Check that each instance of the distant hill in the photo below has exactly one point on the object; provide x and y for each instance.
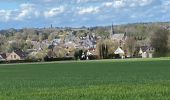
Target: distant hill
(132, 29)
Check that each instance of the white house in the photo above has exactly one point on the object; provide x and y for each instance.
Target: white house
(16, 55)
(146, 52)
(119, 53)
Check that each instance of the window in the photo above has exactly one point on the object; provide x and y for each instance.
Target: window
(14, 56)
(11, 56)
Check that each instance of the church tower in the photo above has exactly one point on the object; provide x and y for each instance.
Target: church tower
(112, 31)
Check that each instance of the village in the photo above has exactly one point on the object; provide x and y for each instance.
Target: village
(85, 47)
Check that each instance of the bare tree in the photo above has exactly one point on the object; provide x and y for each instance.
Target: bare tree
(130, 45)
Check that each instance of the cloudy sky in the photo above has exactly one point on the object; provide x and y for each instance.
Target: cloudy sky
(75, 13)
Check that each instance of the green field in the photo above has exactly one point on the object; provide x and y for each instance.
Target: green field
(93, 80)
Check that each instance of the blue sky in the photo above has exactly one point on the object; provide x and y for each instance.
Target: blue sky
(76, 13)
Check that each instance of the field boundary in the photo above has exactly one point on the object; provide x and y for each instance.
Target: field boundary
(90, 61)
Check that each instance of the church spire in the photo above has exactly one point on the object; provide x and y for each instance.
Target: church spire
(112, 31)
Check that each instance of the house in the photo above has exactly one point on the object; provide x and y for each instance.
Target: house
(88, 42)
(2, 57)
(39, 46)
(12, 41)
(51, 53)
(145, 52)
(17, 55)
(91, 54)
(56, 41)
(69, 37)
(70, 44)
(119, 53)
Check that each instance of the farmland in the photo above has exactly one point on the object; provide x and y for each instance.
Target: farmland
(94, 80)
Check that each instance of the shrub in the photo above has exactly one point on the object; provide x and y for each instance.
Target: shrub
(58, 59)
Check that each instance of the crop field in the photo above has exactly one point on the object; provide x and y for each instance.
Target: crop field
(91, 80)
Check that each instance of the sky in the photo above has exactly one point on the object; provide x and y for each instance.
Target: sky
(77, 13)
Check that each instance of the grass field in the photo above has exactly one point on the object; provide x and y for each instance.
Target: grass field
(94, 80)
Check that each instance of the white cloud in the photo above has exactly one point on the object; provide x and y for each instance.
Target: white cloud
(137, 3)
(165, 7)
(115, 4)
(108, 4)
(118, 4)
(82, 1)
(88, 1)
(48, 0)
(127, 3)
(88, 10)
(27, 11)
(5, 15)
(166, 3)
(54, 11)
(144, 2)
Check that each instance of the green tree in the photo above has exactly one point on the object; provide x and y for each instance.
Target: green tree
(160, 41)
(105, 48)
